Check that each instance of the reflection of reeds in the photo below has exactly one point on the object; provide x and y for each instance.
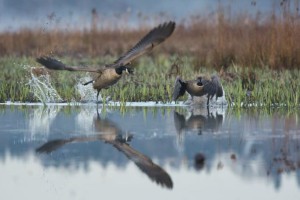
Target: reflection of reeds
(216, 40)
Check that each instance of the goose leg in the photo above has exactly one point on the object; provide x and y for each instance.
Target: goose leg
(98, 114)
(207, 110)
(207, 103)
(98, 92)
(88, 82)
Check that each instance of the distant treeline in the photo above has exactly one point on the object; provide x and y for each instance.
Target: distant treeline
(214, 41)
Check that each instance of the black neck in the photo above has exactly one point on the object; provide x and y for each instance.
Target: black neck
(119, 70)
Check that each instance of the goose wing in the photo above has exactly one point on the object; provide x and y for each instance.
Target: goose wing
(219, 89)
(53, 145)
(145, 164)
(211, 86)
(54, 64)
(179, 89)
(156, 36)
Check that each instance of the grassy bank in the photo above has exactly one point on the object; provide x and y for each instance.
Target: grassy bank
(153, 80)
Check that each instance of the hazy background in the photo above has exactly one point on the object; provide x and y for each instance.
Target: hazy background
(76, 14)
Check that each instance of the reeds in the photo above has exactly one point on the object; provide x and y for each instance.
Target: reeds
(261, 51)
(154, 80)
(215, 40)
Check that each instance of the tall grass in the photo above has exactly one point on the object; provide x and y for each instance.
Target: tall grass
(154, 80)
(257, 52)
(219, 39)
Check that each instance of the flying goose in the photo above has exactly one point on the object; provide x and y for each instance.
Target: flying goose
(109, 74)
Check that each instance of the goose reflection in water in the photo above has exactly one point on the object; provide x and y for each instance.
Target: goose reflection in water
(199, 120)
(110, 133)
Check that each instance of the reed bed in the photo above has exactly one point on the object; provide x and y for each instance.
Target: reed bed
(219, 39)
(256, 56)
(268, 88)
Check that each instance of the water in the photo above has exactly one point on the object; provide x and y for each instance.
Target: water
(42, 88)
(71, 152)
(87, 92)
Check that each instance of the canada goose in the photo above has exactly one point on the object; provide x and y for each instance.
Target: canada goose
(109, 74)
(109, 133)
(198, 87)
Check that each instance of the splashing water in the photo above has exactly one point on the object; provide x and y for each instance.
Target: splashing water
(40, 86)
(86, 92)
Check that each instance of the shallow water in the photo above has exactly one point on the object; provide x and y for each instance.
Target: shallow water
(71, 152)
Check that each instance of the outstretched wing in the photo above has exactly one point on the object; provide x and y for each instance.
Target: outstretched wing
(213, 86)
(154, 172)
(54, 64)
(53, 145)
(216, 80)
(179, 89)
(146, 44)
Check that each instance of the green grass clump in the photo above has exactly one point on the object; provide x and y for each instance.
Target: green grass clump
(13, 79)
(153, 80)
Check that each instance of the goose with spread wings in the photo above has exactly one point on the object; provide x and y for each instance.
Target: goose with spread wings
(108, 75)
(200, 86)
(109, 133)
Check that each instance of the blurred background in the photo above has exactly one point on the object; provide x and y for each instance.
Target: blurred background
(76, 14)
(217, 33)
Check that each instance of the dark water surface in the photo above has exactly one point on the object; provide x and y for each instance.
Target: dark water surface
(69, 152)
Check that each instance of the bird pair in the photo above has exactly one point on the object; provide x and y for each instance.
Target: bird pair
(110, 74)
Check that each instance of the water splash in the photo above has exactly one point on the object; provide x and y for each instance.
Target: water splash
(87, 92)
(40, 86)
(202, 101)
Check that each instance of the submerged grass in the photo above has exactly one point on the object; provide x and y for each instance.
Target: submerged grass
(154, 79)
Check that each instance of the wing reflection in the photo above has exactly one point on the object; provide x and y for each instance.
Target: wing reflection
(110, 133)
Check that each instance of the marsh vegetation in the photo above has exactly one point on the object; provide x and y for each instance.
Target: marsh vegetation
(257, 53)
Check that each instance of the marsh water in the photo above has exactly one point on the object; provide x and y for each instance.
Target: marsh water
(81, 152)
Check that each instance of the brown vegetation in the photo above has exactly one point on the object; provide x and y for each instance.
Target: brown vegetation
(215, 41)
